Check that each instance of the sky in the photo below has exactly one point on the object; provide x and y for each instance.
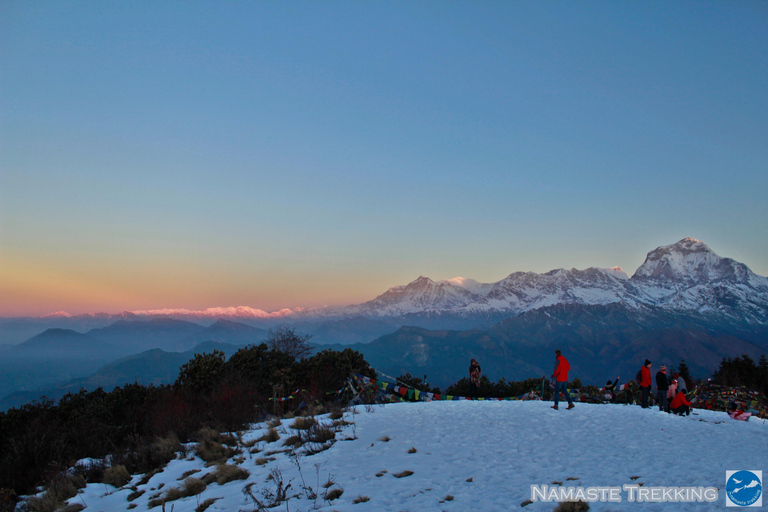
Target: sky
(299, 154)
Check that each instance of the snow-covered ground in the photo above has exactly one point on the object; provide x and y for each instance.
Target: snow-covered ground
(476, 455)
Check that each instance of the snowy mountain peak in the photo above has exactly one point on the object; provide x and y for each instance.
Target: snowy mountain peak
(688, 262)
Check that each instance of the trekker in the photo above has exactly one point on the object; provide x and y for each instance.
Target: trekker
(662, 387)
(474, 378)
(672, 391)
(560, 376)
(645, 383)
(609, 392)
(736, 413)
(680, 404)
(680, 383)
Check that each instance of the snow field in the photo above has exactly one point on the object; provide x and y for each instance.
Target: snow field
(478, 455)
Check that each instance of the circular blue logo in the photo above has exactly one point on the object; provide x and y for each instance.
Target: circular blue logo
(743, 488)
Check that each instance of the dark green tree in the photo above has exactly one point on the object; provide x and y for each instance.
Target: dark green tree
(202, 373)
(685, 373)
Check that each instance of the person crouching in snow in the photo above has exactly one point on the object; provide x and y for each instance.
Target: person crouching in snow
(680, 404)
(561, 379)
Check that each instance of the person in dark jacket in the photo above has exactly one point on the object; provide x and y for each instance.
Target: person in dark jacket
(560, 376)
(474, 378)
(609, 392)
(662, 387)
(645, 383)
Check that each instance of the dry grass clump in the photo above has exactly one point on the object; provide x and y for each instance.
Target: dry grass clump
(116, 476)
(193, 486)
(336, 414)
(402, 474)
(322, 435)
(204, 505)
(75, 507)
(385, 439)
(293, 441)
(334, 494)
(225, 473)
(173, 494)
(361, 499)
(304, 423)
(135, 495)
(59, 490)
(211, 445)
(274, 423)
(188, 473)
(412, 449)
(147, 477)
(271, 436)
(150, 456)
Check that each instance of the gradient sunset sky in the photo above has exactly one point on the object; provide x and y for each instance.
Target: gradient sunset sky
(285, 154)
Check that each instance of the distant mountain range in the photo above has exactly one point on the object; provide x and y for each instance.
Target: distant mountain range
(686, 276)
(684, 301)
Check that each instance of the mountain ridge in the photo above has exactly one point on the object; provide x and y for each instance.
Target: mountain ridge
(686, 275)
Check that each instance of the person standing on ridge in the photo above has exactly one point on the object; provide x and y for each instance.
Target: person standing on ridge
(645, 383)
(474, 378)
(662, 387)
(560, 376)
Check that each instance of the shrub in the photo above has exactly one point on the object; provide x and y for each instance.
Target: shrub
(293, 441)
(59, 490)
(227, 473)
(193, 486)
(204, 505)
(271, 436)
(173, 494)
(322, 435)
(304, 423)
(135, 494)
(334, 494)
(116, 476)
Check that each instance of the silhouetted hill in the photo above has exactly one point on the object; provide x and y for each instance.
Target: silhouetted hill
(154, 366)
(225, 331)
(134, 336)
(600, 341)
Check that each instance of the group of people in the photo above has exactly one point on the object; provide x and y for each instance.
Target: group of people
(671, 391)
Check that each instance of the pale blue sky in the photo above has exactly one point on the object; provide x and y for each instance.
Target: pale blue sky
(283, 154)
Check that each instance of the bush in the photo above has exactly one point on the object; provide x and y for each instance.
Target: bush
(225, 473)
(304, 423)
(193, 486)
(116, 476)
(210, 446)
(271, 436)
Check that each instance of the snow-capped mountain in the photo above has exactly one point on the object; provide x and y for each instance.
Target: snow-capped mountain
(686, 276)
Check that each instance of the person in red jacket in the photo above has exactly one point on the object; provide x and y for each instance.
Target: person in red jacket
(560, 376)
(680, 404)
(645, 383)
